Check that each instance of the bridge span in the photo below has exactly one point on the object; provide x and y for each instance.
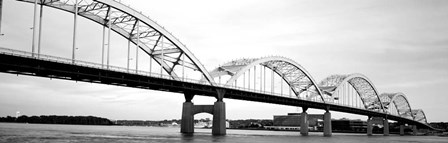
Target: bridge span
(255, 79)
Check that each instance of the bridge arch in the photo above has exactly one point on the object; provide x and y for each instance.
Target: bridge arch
(150, 37)
(419, 115)
(297, 78)
(401, 103)
(363, 86)
(124, 20)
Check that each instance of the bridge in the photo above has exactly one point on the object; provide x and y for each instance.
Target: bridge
(169, 66)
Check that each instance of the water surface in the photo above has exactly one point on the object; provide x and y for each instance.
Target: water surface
(12, 132)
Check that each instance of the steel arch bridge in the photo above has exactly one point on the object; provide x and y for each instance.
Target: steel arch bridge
(397, 104)
(363, 86)
(419, 115)
(174, 59)
(147, 35)
(297, 78)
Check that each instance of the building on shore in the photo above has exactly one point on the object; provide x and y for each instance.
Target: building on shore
(349, 125)
(291, 121)
(208, 124)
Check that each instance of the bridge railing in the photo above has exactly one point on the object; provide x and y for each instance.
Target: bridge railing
(78, 62)
(25, 54)
(150, 74)
(126, 70)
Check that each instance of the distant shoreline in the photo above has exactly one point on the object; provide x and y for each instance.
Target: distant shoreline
(57, 119)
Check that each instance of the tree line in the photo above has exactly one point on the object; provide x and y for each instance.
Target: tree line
(53, 119)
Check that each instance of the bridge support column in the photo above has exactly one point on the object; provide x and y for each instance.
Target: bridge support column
(369, 126)
(219, 114)
(327, 124)
(386, 127)
(219, 118)
(187, 122)
(304, 122)
(414, 130)
(401, 129)
(218, 110)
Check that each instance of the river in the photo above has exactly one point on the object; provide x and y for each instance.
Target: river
(12, 132)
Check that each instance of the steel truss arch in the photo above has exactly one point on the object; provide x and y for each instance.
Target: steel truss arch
(401, 104)
(363, 86)
(419, 116)
(297, 78)
(124, 21)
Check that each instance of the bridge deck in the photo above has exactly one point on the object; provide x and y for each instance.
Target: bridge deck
(53, 69)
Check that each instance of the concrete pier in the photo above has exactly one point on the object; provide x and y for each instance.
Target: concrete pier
(386, 127)
(401, 130)
(219, 118)
(327, 124)
(187, 123)
(414, 130)
(304, 122)
(369, 126)
(218, 110)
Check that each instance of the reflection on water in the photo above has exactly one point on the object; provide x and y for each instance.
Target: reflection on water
(10, 132)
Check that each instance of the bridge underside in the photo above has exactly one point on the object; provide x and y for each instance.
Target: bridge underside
(37, 67)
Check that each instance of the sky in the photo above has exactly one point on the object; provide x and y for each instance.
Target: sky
(401, 46)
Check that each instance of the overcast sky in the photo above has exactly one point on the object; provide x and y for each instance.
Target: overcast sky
(401, 45)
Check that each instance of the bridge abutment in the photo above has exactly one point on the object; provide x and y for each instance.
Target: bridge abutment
(327, 124)
(304, 122)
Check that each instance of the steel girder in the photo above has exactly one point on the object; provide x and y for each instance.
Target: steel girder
(125, 21)
(400, 103)
(298, 79)
(419, 115)
(363, 86)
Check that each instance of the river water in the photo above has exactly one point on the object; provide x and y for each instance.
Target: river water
(11, 132)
